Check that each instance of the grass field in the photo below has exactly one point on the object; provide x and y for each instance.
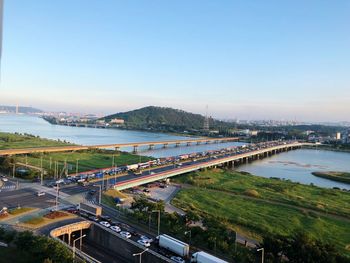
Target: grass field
(312, 197)
(87, 160)
(12, 141)
(223, 195)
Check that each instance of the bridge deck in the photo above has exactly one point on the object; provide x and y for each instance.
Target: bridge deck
(106, 146)
(194, 167)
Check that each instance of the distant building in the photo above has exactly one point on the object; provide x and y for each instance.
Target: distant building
(117, 121)
(338, 136)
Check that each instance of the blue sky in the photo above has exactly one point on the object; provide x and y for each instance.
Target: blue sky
(244, 59)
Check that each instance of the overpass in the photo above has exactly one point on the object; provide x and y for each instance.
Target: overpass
(229, 161)
(117, 146)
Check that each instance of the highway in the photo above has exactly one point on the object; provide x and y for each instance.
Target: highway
(115, 145)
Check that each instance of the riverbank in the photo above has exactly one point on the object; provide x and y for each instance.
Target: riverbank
(343, 177)
(124, 128)
(256, 206)
(17, 140)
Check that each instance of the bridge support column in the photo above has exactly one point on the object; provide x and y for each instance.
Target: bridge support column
(117, 149)
(165, 145)
(198, 143)
(151, 146)
(188, 143)
(135, 149)
(177, 144)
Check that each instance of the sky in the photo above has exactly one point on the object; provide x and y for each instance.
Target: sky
(244, 59)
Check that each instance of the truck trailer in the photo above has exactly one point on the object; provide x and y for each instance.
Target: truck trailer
(178, 247)
(91, 209)
(202, 257)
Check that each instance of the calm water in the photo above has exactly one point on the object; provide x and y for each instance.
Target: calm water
(295, 165)
(298, 165)
(89, 136)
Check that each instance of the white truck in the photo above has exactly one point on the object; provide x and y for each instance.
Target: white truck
(202, 257)
(132, 167)
(178, 247)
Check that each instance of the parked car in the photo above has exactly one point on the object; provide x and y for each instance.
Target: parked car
(125, 234)
(115, 229)
(177, 259)
(105, 223)
(144, 243)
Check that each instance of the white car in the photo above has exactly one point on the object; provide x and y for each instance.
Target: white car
(105, 223)
(40, 193)
(144, 243)
(146, 238)
(177, 259)
(5, 179)
(115, 228)
(125, 234)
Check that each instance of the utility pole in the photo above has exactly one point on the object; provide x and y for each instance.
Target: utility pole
(77, 167)
(41, 170)
(14, 170)
(57, 193)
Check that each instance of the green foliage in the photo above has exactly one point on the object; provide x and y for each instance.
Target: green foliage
(167, 119)
(35, 248)
(300, 248)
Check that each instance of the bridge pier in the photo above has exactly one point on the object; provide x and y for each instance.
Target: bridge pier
(188, 143)
(165, 145)
(135, 149)
(177, 144)
(150, 147)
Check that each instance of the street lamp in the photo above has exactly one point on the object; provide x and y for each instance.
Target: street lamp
(99, 193)
(78, 238)
(262, 254)
(140, 254)
(189, 232)
(157, 211)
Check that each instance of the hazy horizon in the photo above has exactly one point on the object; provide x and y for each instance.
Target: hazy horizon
(248, 60)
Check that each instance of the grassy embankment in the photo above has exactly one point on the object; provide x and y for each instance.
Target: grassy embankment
(12, 141)
(343, 177)
(257, 206)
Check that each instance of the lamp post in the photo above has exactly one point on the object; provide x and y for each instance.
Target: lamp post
(99, 193)
(157, 211)
(262, 254)
(189, 232)
(140, 254)
(78, 238)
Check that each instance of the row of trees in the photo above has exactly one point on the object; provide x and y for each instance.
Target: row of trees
(36, 248)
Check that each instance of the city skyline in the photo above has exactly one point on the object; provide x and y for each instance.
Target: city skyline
(254, 60)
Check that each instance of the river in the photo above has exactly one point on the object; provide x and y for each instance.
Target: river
(90, 136)
(294, 165)
(298, 165)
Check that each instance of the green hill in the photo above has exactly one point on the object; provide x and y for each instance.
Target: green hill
(159, 118)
